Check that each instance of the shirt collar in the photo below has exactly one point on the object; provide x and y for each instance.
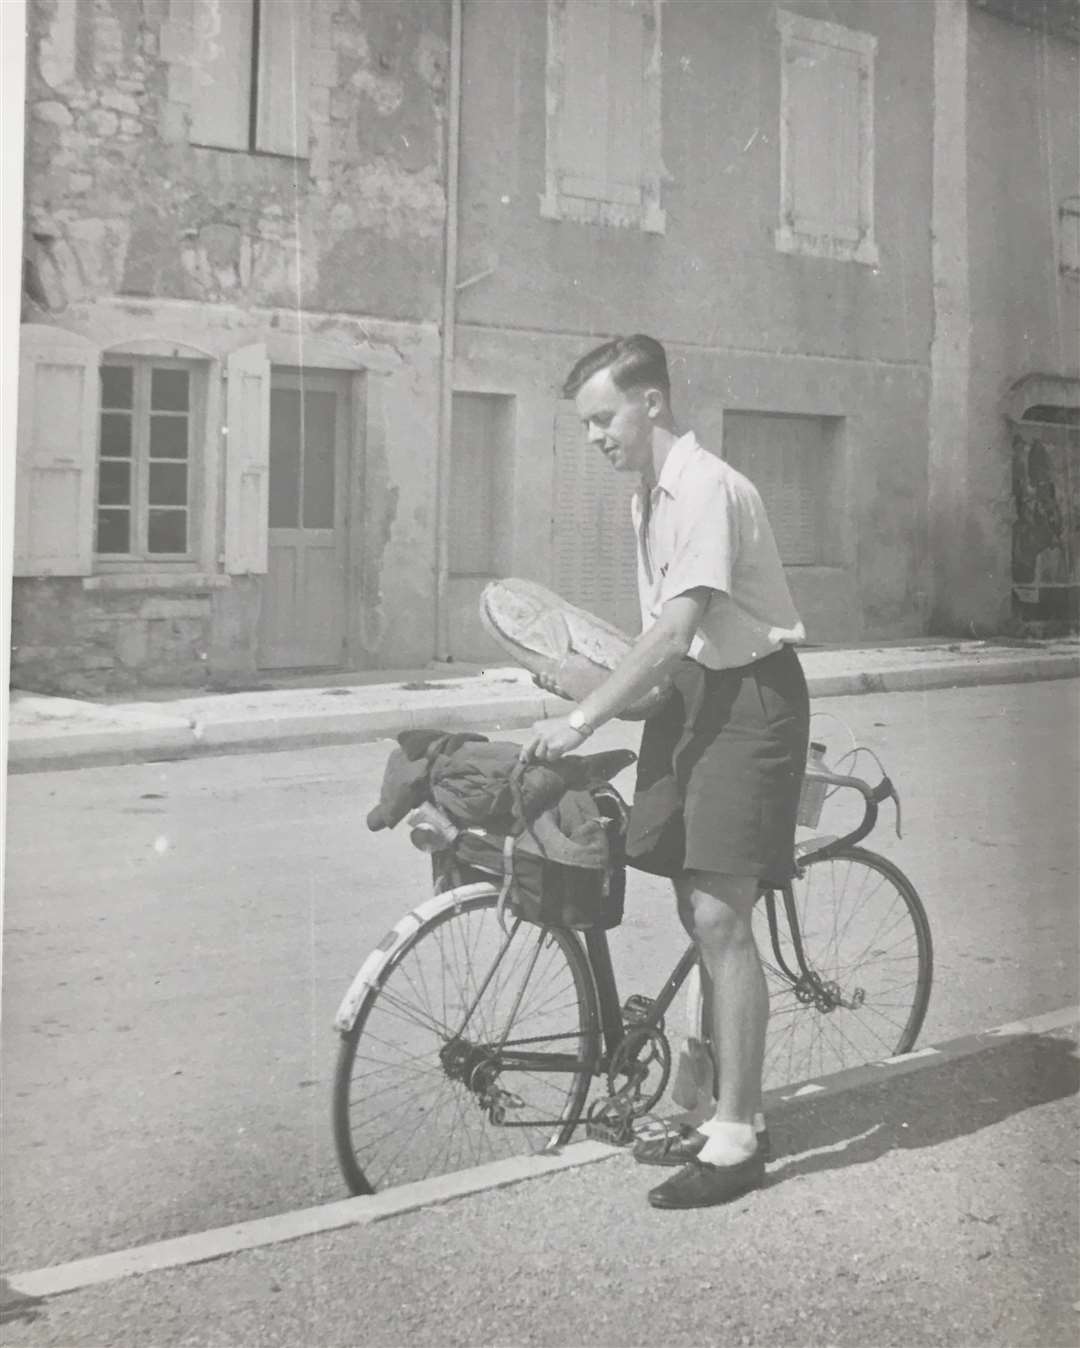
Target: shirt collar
(675, 462)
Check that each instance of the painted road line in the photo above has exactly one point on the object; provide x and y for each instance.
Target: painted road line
(203, 1246)
(206, 1245)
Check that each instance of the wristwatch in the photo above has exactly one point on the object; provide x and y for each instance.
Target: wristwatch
(576, 721)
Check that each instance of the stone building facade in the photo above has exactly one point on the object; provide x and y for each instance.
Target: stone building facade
(301, 282)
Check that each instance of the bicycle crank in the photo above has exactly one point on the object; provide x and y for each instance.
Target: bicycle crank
(640, 1068)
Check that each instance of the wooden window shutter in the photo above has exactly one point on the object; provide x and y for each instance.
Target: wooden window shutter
(584, 109)
(786, 458)
(626, 103)
(283, 75)
(55, 470)
(221, 72)
(247, 460)
(593, 550)
(824, 138)
(600, 141)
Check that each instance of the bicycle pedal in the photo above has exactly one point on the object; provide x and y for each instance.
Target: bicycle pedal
(616, 1133)
(638, 1008)
(610, 1121)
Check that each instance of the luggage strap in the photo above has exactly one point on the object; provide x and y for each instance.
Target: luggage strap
(508, 879)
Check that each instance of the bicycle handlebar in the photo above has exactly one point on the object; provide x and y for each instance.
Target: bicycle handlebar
(872, 798)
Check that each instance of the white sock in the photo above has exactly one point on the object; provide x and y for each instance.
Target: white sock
(726, 1143)
(698, 1117)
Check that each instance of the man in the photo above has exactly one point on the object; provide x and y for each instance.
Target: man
(721, 761)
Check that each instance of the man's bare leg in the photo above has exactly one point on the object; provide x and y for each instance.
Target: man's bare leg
(707, 1109)
(717, 911)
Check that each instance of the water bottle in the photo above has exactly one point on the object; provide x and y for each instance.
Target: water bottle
(812, 796)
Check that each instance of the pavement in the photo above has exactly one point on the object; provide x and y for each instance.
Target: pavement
(926, 1200)
(47, 733)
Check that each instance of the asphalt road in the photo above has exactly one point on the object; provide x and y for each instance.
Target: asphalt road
(177, 937)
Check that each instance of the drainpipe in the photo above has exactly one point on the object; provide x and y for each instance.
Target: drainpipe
(449, 319)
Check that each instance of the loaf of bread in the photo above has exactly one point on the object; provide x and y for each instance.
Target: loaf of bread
(574, 649)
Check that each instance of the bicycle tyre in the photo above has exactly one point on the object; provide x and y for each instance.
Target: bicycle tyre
(401, 1013)
(865, 930)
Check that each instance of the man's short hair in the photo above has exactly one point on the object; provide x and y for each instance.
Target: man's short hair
(634, 362)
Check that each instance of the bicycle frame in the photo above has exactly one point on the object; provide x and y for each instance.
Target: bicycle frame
(508, 1054)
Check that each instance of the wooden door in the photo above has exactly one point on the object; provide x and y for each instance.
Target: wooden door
(302, 623)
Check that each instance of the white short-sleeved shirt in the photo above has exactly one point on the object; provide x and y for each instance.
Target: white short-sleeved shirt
(707, 526)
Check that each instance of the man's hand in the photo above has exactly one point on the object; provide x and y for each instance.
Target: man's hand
(550, 739)
(548, 684)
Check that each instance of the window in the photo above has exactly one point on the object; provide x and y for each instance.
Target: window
(144, 487)
(594, 554)
(249, 75)
(603, 119)
(481, 502)
(795, 463)
(826, 140)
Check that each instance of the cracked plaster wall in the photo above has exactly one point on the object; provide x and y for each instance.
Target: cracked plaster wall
(118, 202)
(132, 232)
(748, 327)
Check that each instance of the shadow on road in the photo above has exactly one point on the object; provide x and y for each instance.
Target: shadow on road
(925, 1107)
(16, 1305)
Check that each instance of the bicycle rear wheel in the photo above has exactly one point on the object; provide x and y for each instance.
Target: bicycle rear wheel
(866, 941)
(420, 1076)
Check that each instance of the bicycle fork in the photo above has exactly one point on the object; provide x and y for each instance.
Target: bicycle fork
(810, 987)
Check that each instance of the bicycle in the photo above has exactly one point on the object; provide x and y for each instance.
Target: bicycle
(464, 1041)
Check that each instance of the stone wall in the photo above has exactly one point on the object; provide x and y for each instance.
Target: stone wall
(136, 239)
(118, 202)
(86, 644)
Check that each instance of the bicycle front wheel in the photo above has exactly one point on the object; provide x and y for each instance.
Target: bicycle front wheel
(866, 941)
(461, 1043)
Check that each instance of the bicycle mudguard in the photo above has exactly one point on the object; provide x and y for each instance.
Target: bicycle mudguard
(389, 947)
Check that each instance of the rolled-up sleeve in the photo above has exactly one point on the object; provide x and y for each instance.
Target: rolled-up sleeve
(704, 541)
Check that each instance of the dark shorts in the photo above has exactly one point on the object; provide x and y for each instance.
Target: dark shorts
(720, 771)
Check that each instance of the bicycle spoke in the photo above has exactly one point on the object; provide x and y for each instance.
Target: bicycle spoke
(864, 949)
(424, 1070)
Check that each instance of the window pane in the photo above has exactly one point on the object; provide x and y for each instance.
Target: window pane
(169, 390)
(115, 435)
(113, 531)
(168, 484)
(168, 437)
(320, 411)
(168, 531)
(284, 458)
(221, 73)
(114, 483)
(117, 382)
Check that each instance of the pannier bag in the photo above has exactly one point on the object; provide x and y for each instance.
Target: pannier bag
(565, 870)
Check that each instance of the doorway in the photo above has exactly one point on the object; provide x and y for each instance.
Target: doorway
(302, 624)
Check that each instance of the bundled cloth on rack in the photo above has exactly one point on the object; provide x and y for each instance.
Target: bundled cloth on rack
(544, 811)
(478, 781)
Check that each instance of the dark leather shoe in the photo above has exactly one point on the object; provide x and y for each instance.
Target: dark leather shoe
(700, 1185)
(682, 1143)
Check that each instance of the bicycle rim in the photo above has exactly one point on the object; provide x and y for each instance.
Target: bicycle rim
(866, 936)
(407, 1107)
